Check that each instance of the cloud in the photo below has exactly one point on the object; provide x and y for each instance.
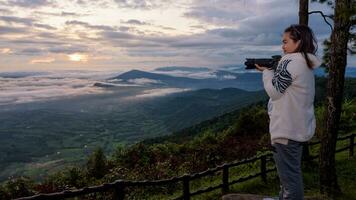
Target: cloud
(245, 37)
(12, 30)
(136, 4)
(190, 74)
(69, 14)
(254, 16)
(30, 3)
(16, 20)
(196, 32)
(214, 15)
(215, 43)
(181, 68)
(48, 86)
(150, 53)
(31, 51)
(143, 81)
(6, 11)
(159, 92)
(222, 12)
(114, 35)
(143, 4)
(58, 14)
(89, 26)
(124, 28)
(135, 22)
(202, 42)
(78, 57)
(42, 60)
(142, 23)
(46, 47)
(45, 26)
(166, 28)
(81, 2)
(96, 4)
(245, 21)
(33, 42)
(65, 49)
(5, 51)
(228, 77)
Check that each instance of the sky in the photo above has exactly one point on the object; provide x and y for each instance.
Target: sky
(120, 35)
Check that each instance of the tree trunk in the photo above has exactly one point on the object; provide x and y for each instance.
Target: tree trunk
(303, 12)
(304, 20)
(335, 85)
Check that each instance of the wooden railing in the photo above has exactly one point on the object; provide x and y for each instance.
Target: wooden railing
(119, 186)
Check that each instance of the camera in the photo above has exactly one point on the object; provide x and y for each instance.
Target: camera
(270, 63)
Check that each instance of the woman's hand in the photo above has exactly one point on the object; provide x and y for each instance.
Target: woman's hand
(260, 68)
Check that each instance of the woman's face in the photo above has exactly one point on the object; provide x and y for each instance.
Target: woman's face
(289, 46)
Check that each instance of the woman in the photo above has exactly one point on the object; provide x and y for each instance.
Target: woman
(291, 89)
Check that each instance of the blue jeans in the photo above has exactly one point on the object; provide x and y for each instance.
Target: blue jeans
(288, 162)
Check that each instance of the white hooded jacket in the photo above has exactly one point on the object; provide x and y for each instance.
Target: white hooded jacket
(291, 88)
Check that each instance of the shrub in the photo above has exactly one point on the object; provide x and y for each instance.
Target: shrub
(97, 164)
(19, 187)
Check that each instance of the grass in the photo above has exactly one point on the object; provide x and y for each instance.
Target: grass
(345, 168)
(346, 173)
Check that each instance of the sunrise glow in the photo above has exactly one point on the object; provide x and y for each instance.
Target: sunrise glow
(78, 57)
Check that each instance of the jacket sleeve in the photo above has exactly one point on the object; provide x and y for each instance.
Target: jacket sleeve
(277, 82)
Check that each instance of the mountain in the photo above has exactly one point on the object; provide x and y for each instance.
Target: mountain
(349, 72)
(182, 68)
(184, 109)
(49, 135)
(21, 74)
(224, 121)
(223, 79)
(137, 74)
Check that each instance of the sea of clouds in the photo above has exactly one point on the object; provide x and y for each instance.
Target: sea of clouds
(23, 87)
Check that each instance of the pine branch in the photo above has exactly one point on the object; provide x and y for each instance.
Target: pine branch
(351, 51)
(324, 16)
(353, 22)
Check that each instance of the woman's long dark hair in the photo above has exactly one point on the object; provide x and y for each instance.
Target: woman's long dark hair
(308, 43)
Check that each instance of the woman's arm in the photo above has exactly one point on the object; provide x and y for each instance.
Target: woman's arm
(277, 82)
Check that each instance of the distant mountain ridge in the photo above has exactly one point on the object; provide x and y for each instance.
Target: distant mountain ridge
(134, 74)
(349, 72)
(182, 68)
(21, 74)
(223, 79)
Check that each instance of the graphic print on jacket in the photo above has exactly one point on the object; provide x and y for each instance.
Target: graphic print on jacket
(282, 79)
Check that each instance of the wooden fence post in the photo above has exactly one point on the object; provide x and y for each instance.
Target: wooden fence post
(225, 179)
(263, 168)
(119, 191)
(186, 191)
(352, 144)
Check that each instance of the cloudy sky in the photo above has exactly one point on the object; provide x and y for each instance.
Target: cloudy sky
(144, 34)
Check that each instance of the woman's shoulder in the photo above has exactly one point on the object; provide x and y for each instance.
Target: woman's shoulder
(300, 59)
(292, 59)
(293, 56)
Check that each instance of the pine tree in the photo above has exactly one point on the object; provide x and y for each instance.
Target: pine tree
(343, 16)
(97, 164)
